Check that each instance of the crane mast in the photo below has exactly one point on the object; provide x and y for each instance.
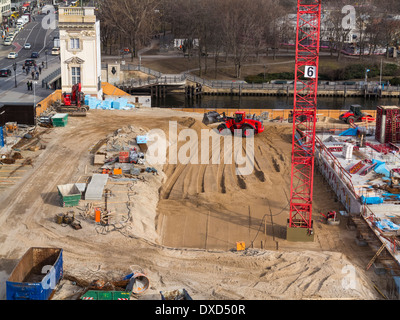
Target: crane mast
(300, 224)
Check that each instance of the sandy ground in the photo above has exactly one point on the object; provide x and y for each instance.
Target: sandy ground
(181, 226)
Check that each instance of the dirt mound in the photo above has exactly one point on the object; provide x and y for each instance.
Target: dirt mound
(208, 192)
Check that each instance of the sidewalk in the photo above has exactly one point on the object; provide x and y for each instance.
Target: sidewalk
(21, 93)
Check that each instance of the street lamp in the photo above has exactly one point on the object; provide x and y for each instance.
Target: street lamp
(34, 94)
(366, 77)
(265, 71)
(15, 73)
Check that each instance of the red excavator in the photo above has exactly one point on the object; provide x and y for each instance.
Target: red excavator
(73, 103)
(355, 114)
(249, 125)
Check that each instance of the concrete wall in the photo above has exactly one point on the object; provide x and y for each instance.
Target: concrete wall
(338, 181)
(141, 101)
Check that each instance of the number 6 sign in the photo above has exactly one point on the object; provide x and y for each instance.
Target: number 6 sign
(310, 72)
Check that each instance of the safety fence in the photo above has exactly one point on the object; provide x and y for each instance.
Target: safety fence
(272, 113)
(46, 102)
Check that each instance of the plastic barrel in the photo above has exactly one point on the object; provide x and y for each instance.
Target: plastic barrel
(139, 283)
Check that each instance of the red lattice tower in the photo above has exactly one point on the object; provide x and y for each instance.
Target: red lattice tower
(304, 112)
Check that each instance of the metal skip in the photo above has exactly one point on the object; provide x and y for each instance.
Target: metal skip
(138, 283)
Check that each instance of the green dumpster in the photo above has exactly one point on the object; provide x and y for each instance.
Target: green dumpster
(105, 295)
(60, 119)
(69, 194)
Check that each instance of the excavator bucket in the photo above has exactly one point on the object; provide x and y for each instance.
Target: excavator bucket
(211, 117)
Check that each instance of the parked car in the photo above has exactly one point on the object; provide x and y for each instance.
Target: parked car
(12, 55)
(30, 62)
(55, 51)
(7, 41)
(35, 55)
(27, 46)
(5, 72)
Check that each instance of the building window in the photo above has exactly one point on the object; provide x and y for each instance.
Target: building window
(74, 43)
(76, 75)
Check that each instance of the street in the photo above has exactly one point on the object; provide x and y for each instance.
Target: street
(41, 40)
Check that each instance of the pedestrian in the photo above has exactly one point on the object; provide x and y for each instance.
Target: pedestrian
(28, 85)
(23, 68)
(40, 70)
(42, 64)
(37, 75)
(33, 75)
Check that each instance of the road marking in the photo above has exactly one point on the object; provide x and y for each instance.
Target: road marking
(37, 23)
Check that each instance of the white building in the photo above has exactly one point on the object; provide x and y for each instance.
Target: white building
(80, 50)
(5, 5)
(327, 28)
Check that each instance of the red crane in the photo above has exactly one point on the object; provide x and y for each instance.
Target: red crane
(300, 222)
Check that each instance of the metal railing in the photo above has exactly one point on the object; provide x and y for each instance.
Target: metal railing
(160, 78)
(51, 77)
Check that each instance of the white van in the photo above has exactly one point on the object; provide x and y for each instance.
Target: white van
(7, 41)
(55, 51)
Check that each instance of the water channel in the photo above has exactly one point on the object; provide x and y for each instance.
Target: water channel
(266, 102)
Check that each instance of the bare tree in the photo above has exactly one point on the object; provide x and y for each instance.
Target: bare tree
(239, 24)
(135, 20)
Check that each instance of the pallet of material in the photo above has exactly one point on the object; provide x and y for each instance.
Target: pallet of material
(99, 159)
(94, 190)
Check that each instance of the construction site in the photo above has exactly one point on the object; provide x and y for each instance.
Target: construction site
(173, 222)
(87, 214)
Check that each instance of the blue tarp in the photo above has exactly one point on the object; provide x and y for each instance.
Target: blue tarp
(391, 196)
(141, 139)
(371, 200)
(108, 104)
(381, 168)
(386, 224)
(349, 132)
(397, 282)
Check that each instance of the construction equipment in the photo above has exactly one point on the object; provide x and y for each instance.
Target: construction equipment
(10, 128)
(331, 218)
(355, 114)
(249, 126)
(308, 32)
(68, 219)
(72, 103)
